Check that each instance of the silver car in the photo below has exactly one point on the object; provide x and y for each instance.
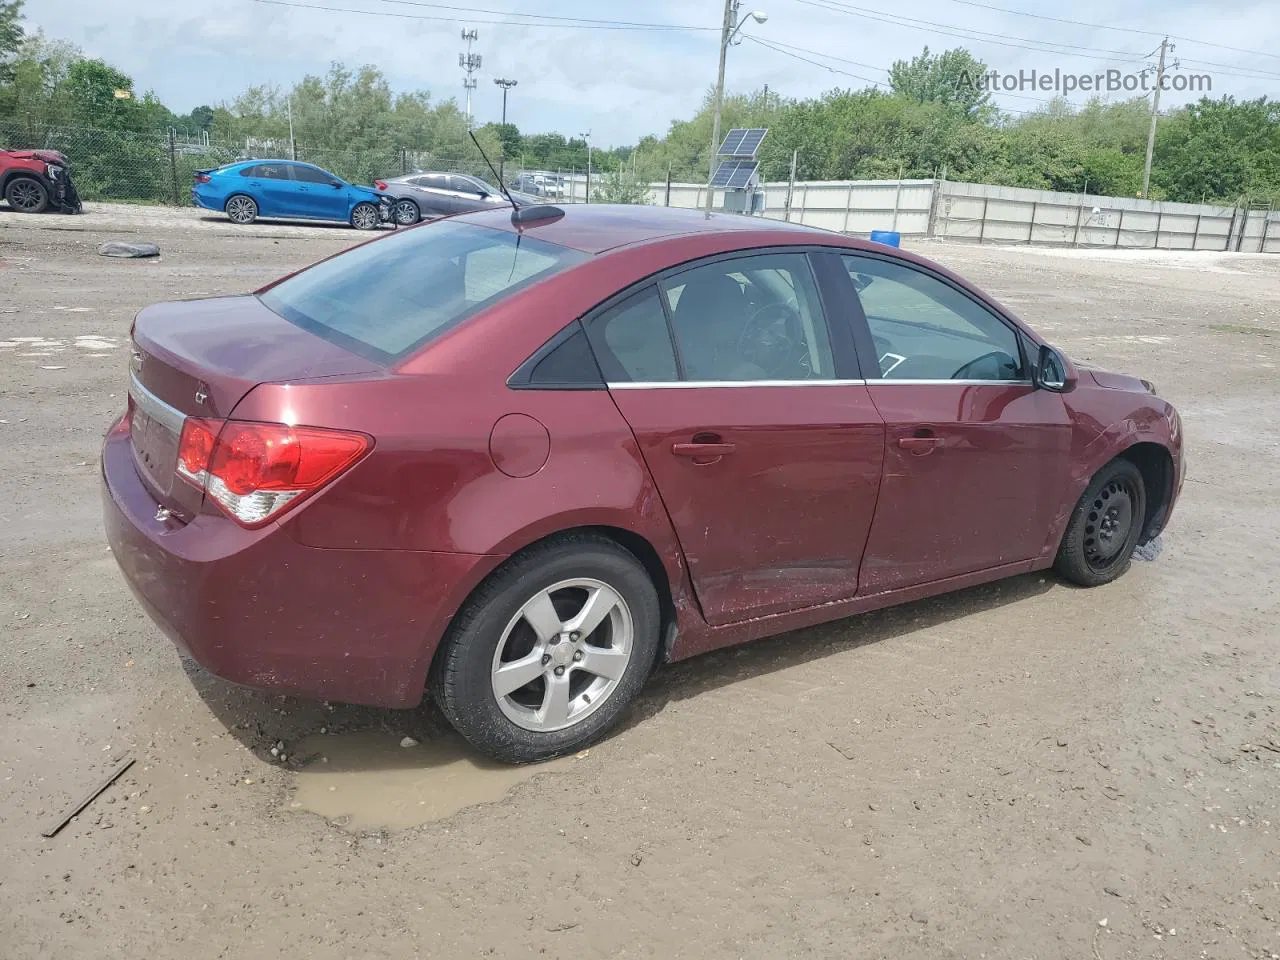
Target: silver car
(424, 196)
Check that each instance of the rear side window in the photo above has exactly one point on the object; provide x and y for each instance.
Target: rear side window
(632, 342)
(267, 171)
(386, 298)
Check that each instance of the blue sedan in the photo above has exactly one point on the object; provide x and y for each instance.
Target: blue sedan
(251, 189)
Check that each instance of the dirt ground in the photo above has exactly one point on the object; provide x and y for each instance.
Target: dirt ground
(1024, 770)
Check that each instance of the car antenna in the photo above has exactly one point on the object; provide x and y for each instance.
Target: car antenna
(519, 214)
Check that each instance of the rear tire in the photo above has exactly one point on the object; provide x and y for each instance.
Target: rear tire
(241, 209)
(1105, 526)
(406, 213)
(27, 195)
(364, 216)
(523, 617)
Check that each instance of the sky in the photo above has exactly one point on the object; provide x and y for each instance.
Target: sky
(620, 84)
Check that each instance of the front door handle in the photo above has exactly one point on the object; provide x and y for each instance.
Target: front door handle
(698, 450)
(921, 444)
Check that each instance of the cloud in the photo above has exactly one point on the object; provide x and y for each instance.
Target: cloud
(622, 84)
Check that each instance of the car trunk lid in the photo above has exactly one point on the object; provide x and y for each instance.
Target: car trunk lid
(198, 358)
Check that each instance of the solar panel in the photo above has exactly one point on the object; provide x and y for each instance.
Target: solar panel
(732, 141)
(734, 174)
(751, 141)
(742, 142)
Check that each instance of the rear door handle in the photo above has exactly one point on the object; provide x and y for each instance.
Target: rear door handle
(702, 449)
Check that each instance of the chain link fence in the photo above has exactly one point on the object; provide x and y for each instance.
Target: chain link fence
(159, 168)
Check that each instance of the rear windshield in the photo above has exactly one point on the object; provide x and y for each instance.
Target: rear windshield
(385, 299)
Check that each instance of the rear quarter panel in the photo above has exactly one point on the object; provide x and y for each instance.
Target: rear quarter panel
(431, 482)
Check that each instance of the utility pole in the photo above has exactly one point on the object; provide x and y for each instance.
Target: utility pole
(470, 62)
(587, 136)
(791, 184)
(293, 144)
(505, 85)
(728, 31)
(1165, 46)
(730, 14)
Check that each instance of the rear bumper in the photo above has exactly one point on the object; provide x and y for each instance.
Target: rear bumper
(260, 609)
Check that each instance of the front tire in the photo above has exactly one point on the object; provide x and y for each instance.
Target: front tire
(364, 216)
(242, 210)
(546, 655)
(1105, 526)
(27, 195)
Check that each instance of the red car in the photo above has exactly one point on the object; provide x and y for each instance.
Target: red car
(519, 459)
(32, 181)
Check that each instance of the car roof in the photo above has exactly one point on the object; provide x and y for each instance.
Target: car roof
(597, 227)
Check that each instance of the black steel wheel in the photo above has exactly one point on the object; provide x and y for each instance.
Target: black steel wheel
(1105, 526)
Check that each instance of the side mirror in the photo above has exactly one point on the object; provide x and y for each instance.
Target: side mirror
(1053, 371)
(336, 184)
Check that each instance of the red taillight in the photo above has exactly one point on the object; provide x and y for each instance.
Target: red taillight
(380, 184)
(254, 471)
(196, 447)
(202, 178)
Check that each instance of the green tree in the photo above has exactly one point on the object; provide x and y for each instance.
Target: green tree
(620, 186)
(953, 78)
(11, 37)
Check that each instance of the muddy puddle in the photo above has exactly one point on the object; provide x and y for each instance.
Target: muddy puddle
(367, 780)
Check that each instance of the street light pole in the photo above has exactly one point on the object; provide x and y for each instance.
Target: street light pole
(727, 32)
(502, 159)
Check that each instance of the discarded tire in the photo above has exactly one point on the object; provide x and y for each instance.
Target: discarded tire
(120, 248)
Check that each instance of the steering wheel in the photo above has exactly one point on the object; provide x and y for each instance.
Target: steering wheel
(759, 342)
(998, 355)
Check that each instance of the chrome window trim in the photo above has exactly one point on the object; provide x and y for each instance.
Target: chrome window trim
(964, 383)
(685, 384)
(170, 417)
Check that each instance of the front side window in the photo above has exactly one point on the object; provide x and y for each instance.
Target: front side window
(925, 329)
(386, 298)
(750, 318)
(311, 175)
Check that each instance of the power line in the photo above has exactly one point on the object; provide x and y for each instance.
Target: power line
(967, 33)
(824, 66)
(1230, 68)
(541, 16)
(1103, 26)
(564, 23)
(1027, 43)
(825, 56)
(777, 45)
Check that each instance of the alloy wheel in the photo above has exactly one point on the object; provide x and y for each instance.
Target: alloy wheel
(562, 655)
(406, 213)
(25, 196)
(364, 216)
(241, 209)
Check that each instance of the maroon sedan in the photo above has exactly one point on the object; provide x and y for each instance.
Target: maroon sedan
(519, 460)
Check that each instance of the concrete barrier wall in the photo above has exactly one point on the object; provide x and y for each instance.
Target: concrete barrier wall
(985, 213)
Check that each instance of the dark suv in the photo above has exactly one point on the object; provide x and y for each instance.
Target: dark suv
(33, 181)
